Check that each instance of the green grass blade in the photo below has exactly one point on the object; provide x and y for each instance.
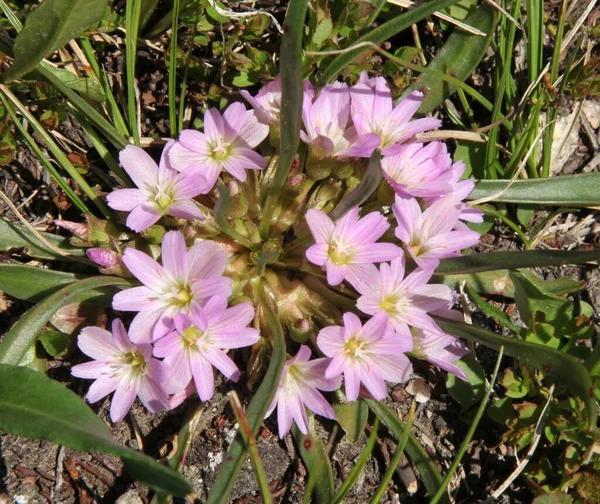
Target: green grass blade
(291, 104)
(441, 492)
(429, 473)
(358, 467)
(23, 334)
(56, 151)
(514, 260)
(320, 474)
(132, 24)
(387, 477)
(381, 34)
(565, 368)
(582, 190)
(255, 411)
(173, 70)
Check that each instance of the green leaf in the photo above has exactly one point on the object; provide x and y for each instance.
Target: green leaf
(34, 406)
(513, 260)
(85, 85)
(473, 155)
(13, 236)
(532, 299)
(255, 412)
(32, 284)
(381, 34)
(431, 477)
(320, 474)
(352, 416)
(470, 392)
(581, 190)
(553, 363)
(50, 26)
(501, 411)
(458, 57)
(54, 342)
(553, 498)
(23, 334)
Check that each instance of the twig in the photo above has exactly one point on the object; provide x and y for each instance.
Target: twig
(38, 235)
(58, 471)
(537, 435)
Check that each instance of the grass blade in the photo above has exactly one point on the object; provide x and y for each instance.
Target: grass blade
(133, 10)
(173, 70)
(320, 474)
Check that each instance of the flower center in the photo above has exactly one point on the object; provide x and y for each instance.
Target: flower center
(135, 360)
(182, 296)
(163, 196)
(353, 346)
(340, 253)
(220, 151)
(394, 304)
(191, 336)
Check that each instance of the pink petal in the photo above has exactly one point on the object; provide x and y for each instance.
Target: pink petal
(97, 343)
(174, 255)
(315, 402)
(90, 370)
(237, 316)
(136, 299)
(407, 108)
(363, 146)
(223, 363)
(123, 399)
(408, 215)
(126, 199)
(214, 127)
(335, 273)
(153, 396)
(145, 269)
(203, 376)
(192, 140)
(253, 132)
(233, 120)
(181, 157)
(103, 386)
(363, 277)
(206, 259)
(330, 340)
(142, 217)
(321, 226)
(318, 253)
(139, 166)
(373, 382)
(284, 416)
(352, 383)
(375, 252)
(121, 338)
(298, 412)
(191, 183)
(142, 325)
(186, 210)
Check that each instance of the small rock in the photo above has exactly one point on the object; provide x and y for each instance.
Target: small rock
(131, 497)
(419, 389)
(591, 111)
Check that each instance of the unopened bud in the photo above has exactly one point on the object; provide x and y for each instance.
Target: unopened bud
(78, 229)
(343, 171)
(154, 234)
(104, 257)
(317, 168)
(300, 330)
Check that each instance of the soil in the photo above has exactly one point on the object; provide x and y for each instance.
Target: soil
(37, 472)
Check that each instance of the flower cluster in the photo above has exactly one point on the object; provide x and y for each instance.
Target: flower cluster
(197, 303)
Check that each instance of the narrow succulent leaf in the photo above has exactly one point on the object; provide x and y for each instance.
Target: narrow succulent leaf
(352, 416)
(368, 185)
(14, 236)
(33, 284)
(513, 260)
(291, 103)
(50, 26)
(255, 411)
(28, 402)
(358, 467)
(581, 190)
(23, 334)
(320, 474)
(458, 57)
(383, 33)
(428, 471)
(563, 367)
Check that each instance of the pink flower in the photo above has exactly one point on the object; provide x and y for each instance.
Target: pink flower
(430, 235)
(183, 284)
(121, 367)
(347, 248)
(371, 354)
(406, 301)
(460, 190)
(440, 348)
(327, 130)
(373, 111)
(419, 171)
(226, 144)
(301, 380)
(197, 343)
(267, 103)
(161, 190)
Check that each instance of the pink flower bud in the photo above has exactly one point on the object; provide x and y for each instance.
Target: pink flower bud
(78, 229)
(104, 257)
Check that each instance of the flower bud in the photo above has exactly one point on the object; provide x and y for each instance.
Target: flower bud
(318, 169)
(238, 205)
(301, 330)
(78, 229)
(103, 257)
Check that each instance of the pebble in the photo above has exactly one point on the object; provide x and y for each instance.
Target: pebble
(419, 389)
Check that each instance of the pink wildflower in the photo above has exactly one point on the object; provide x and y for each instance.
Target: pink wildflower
(121, 367)
(327, 130)
(161, 190)
(373, 111)
(440, 348)
(197, 343)
(430, 235)
(226, 144)
(183, 284)
(347, 248)
(371, 354)
(419, 171)
(301, 380)
(406, 301)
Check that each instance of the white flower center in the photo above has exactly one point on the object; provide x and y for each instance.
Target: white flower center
(340, 253)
